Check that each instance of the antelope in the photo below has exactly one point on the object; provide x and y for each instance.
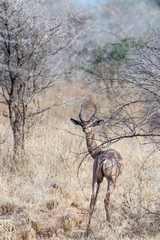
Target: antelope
(107, 163)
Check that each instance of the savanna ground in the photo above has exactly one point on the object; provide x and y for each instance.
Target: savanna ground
(45, 200)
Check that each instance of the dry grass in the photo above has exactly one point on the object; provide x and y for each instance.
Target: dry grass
(45, 201)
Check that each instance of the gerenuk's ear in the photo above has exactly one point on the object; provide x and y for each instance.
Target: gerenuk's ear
(97, 123)
(76, 122)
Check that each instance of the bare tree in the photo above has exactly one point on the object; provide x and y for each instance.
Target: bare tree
(138, 109)
(33, 50)
(134, 93)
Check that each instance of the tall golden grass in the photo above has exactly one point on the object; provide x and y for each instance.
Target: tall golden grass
(44, 200)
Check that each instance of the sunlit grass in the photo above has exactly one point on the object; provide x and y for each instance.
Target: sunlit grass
(45, 200)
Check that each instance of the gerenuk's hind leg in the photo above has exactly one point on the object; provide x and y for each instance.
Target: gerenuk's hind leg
(110, 189)
(92, 205)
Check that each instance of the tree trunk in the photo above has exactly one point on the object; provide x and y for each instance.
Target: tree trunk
(17, 121)
(18, 135)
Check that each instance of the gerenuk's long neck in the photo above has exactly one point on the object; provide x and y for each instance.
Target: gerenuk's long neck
(92, 146)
